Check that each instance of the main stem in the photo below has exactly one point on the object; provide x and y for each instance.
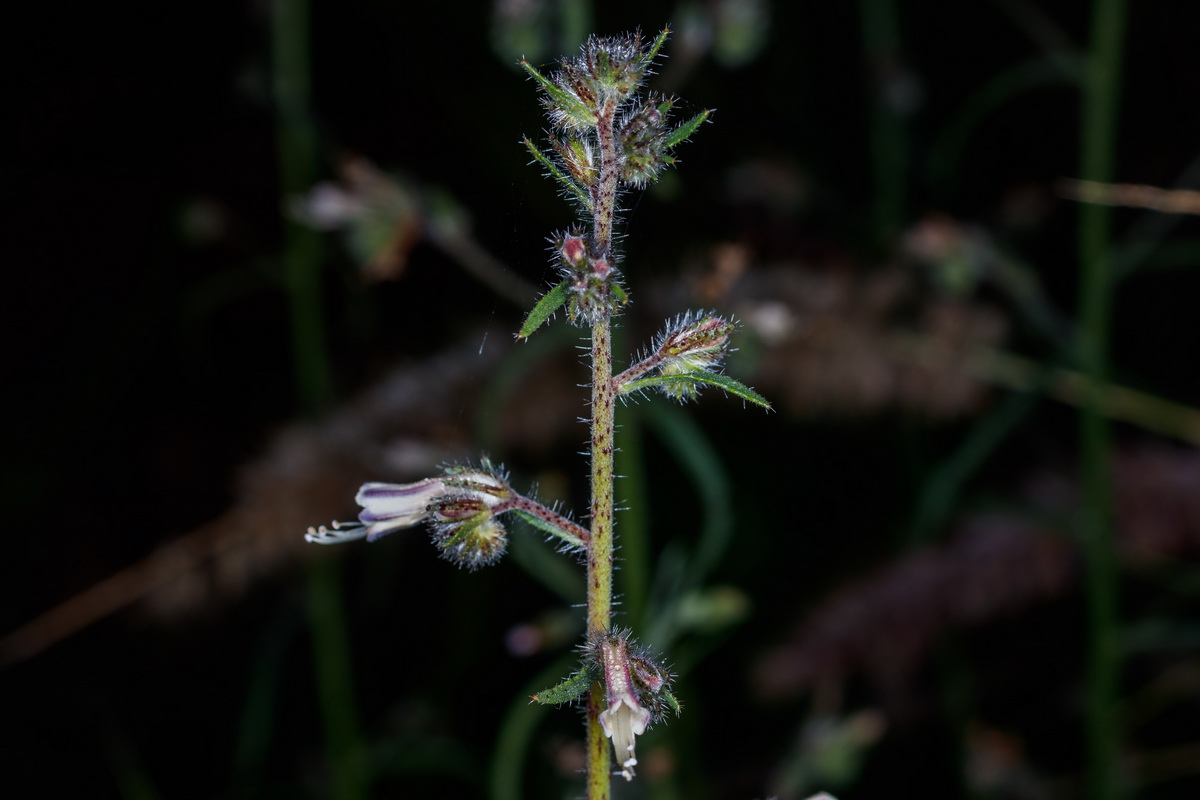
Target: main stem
(600, 549)
(600, 545)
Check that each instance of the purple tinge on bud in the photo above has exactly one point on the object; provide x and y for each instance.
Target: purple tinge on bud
(574, 251)
(388, 507)
(625, 718)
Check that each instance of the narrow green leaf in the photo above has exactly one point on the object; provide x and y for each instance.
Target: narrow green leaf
(699, 377)
(687, 129)
(570, 689)
(733, 386)
(640, 385)
(571, 186)
(546, 527)
(545, 308)
(571, 105)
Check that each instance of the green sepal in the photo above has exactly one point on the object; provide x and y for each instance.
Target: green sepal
(619, 291)
(571, 689)
(686, 129)
(545, 308)
(658, 43)
(568, 103)
(546, 527)
(571, 186)
(671, 702)
(699, 378)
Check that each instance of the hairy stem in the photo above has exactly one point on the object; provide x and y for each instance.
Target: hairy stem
(570, 531)
(600, 546)
(638, 370)
(604, 193)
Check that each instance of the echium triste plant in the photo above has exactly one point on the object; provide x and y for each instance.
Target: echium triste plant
(606, 137)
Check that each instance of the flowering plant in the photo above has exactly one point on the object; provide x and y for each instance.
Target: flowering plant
(607, 137)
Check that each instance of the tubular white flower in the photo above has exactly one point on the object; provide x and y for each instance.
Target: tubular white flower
(625, 718)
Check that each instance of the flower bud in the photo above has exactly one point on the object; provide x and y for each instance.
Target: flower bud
(694, 342)
(573, 250)
(691, 344)
(643, 143)
(578, 158)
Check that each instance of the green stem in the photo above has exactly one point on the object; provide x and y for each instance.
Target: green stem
(600, 545)
(567, 530)
(331, 660)
(889, 130)
(1095, 300)
(598, 778)
(297, 154)
(600, 549)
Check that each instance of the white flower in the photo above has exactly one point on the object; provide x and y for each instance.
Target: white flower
(386, 507)
(625, 718)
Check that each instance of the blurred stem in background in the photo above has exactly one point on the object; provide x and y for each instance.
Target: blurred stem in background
(301, 261)
(891, 94)
(1097, 145)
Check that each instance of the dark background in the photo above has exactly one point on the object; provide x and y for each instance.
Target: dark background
(150, 359)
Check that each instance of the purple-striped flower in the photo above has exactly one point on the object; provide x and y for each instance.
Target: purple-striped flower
(386, 507)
